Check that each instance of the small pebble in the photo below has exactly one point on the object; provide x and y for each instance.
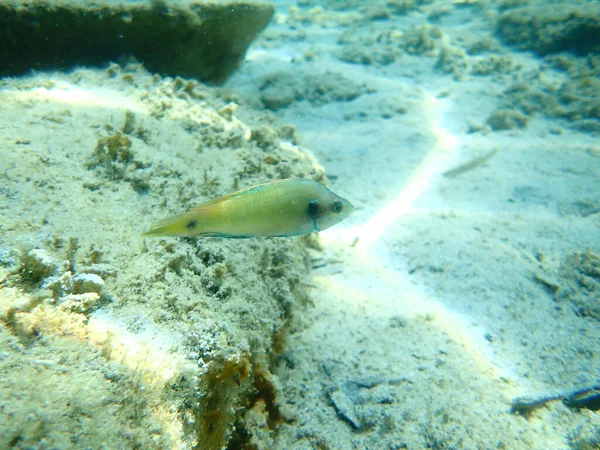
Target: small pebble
(79, 303)
(87, 282)
(37, 264)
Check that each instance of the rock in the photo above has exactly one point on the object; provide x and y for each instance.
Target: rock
(507, 119)
(452, 60)
(564, 27)
(87, 282)
(280, 89)
(577, 99)
(201, 40)
(59, 285)
(579, 283)
(225, 304)
(421, 39)
(80, 303)
(36, 265)
(493, 65)
(103, 270)
(344, 407)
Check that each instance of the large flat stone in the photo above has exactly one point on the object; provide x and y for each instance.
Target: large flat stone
(546, 30)
(200, 40)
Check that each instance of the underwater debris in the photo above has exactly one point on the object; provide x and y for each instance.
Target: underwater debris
(470, 165)
(588, 398)
(590, 211)
(585, 398)
(525, 406)
(344, 407)
(348, 394)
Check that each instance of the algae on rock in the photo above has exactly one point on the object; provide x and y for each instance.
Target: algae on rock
(154, 343)
(204, 40)
(545, 30)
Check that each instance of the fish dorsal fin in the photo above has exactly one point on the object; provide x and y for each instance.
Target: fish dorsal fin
(223, 198)
(212, 202)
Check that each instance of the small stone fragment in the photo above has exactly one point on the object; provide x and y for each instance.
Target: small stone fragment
(36, 265)
(579, 283)
(345, 408)
(594, 151)
(129, 124)
(227, 111)
(265, 137)
(288, 133)
(59, 285)
(87, 282)
(102, 270)
(112, 154)
(80, 303)
(507, 119)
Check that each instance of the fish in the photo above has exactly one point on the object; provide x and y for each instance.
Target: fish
(279, 208)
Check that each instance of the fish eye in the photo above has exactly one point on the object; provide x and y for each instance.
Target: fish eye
(313, 208)
(337, 207)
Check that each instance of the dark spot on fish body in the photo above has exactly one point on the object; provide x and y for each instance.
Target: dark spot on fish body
(314, 211)
(191, 225)
(313, 208)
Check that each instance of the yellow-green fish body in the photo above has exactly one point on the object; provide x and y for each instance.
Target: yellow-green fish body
(281, 208)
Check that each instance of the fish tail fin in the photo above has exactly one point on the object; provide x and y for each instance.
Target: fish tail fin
(179, 225)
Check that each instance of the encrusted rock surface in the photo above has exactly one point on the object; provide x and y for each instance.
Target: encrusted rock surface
(111, 340)
(546, 30)
(202, 40)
